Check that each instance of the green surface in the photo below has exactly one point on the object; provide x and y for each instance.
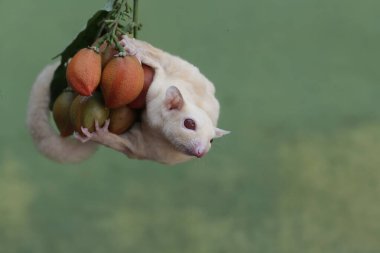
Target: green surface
(298, 83)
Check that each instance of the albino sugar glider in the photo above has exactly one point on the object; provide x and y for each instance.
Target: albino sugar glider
(179, 122)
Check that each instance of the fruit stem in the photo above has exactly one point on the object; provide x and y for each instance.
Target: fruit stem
(101, 41)
(120, 48)
(95, 49)
(116, 24)
(123, 7)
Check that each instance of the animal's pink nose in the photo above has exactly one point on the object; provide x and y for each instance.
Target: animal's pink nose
(200, 155)
(200, 152)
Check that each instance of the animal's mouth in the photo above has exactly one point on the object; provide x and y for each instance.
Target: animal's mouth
(197, 152)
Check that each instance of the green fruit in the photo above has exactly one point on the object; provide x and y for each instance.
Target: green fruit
(121, 119)
(61, 113)
(85, 111)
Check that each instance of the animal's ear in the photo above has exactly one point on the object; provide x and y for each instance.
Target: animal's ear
(220, 132)
(173, 99)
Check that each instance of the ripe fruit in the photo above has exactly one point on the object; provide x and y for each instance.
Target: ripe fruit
(84, 71)
(84, 111)
(61, 113)
(140, 101)
(122, 81)
(121, 119)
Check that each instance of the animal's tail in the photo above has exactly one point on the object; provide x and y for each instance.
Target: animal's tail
(48, 142)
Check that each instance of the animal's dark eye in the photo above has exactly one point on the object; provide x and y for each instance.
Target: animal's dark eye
(211, 140)
(190, 124)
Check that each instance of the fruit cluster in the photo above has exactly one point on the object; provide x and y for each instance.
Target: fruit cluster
(104, 87)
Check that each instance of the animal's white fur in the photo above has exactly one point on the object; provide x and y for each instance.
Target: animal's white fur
(178, 91)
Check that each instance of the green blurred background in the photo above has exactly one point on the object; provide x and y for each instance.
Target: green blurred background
(298, 83)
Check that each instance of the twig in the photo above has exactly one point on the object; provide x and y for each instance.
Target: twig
(135, 17)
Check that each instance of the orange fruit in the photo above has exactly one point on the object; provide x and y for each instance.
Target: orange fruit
(122, 81)
(84, 71)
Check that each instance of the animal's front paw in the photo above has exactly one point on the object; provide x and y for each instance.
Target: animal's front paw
(101, 131)
(97, 136)
(82, 139)
(130, 46)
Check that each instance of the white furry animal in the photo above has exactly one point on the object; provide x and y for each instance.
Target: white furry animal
(179, 121)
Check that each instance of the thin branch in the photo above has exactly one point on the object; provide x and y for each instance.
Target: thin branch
(135, 17)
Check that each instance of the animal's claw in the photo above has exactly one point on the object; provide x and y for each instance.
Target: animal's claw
(81, 138)
(86, 133)
(103, 129)
(98, 136)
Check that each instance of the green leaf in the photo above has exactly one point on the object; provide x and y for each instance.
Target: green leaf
(84, 39)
